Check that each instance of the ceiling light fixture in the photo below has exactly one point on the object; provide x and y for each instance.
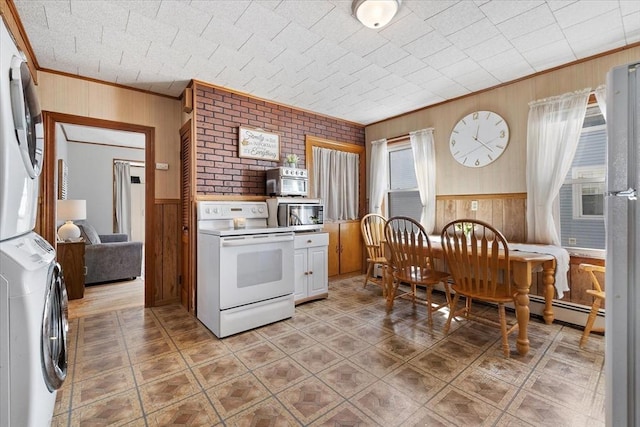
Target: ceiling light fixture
(375, 13)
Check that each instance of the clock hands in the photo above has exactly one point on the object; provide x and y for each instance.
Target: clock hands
(475, 138)
(479, 147)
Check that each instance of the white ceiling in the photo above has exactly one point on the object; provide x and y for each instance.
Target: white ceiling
(314, 55)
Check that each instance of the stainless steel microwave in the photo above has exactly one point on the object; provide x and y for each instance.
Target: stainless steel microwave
(299, 213)
(285, 181)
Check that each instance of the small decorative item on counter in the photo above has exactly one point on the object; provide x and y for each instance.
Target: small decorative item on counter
(239, 223)
(291, 160)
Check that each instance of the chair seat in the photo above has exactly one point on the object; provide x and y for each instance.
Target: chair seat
(431, 278)
(502, 294)
(378, 260)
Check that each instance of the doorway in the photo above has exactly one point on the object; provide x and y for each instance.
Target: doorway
(50, 191)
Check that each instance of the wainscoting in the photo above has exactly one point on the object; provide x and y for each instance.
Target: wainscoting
(167, 254)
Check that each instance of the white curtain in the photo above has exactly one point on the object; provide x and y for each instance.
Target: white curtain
(122, 196)
(378, 175)
(336, 182)
(553, 132)
(601, 99)
(424, 160)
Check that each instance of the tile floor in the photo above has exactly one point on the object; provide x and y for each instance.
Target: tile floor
(342, 361)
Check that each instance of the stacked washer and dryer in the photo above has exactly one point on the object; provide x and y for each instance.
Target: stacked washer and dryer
(33, 300)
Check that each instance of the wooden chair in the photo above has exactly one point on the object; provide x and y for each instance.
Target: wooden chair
(372, 226)
(472, 251)
(598, 298)
(412, 262)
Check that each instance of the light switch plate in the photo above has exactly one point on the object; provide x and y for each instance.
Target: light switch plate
(162, 166)
(474, 205)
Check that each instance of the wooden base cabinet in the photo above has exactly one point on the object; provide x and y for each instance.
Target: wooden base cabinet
(310, 266)
(71, 258)
(345, 247)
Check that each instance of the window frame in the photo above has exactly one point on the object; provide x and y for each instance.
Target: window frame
(394, 147)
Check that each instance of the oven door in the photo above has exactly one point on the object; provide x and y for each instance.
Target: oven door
(255, 268)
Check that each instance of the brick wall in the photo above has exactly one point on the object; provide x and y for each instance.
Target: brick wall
(219, 114)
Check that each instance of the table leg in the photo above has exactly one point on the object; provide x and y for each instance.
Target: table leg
(522, 280)
(548, 278)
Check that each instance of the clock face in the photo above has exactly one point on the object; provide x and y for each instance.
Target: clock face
(479, 139)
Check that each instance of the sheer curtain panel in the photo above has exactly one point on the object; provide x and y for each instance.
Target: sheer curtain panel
(336, 182)
(424, 158)
(378, 175)
(553, 132)
(122, 195)
(601, 99)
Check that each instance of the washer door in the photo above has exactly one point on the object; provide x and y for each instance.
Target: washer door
(27, 117)
(54, 330)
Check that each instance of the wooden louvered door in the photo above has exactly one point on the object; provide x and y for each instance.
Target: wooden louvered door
(187, 241)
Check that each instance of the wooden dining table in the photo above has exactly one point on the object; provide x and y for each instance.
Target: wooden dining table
(522, 266)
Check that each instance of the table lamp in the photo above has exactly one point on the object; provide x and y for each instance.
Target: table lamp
(69, 211)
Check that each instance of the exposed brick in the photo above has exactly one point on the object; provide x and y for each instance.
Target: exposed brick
(219, 170)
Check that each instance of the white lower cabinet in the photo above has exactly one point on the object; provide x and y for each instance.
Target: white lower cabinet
(311, 266)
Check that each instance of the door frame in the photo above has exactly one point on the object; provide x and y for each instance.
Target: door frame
(49, 192)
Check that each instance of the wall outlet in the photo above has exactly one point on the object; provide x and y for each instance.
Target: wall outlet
(572, 240)
(474, 205)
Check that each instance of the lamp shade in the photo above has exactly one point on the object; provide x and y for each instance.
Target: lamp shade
(71, 210)
(68, 211)
(375, 13)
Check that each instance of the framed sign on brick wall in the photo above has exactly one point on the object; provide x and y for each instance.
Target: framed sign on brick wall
(258, 144)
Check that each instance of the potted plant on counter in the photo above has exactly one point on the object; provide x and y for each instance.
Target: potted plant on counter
(291, 160)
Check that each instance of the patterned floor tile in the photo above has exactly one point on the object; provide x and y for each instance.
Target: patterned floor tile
(115, 410)
(443, 366)
(419, 385)
(283, 373)
(391, 367)
(259, 355)
(463, 409)
(346, 378)
(191, 338)
(376, 361)
(509, 370)
(344, 415)
(401, 347)
(346, 344)
(267, 413)
(486, 387)
(196, 411)
(317, 358)
(151, 350)
(426, 417)
(293, 341)
(385, 404)
(219, 370)
(246, 339)
(101, 365)
(565, 393)
(158, 367)
(542, 411)
(372, 334)
(204, 352)
(102, 386)
(275, 329)
(161, 393)
(309, 399)
(237, 394)
(321, 331)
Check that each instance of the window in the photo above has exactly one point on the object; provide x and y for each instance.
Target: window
(582, 195)
(403, 197)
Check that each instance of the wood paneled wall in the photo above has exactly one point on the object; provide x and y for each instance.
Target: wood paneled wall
(167, 251)
(64, 94)
(506, 212)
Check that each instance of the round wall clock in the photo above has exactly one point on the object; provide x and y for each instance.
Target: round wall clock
(479, 138)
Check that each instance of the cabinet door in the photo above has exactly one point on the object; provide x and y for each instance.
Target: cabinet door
(300, 269)
(334, 248)
(318, 282)
(350, 247)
